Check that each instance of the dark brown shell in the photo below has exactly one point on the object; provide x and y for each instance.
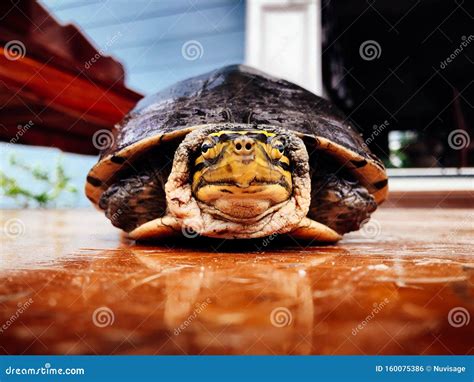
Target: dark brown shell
(238, 94)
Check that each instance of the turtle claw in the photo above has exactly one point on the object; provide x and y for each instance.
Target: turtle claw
(309, 229)
(160, 228)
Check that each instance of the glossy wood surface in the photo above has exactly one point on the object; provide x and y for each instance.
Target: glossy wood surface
(69, 284)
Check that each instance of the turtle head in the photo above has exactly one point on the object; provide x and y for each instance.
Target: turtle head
(242, 172)
(233, 180)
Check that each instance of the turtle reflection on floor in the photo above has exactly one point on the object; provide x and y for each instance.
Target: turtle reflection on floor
(237, 154)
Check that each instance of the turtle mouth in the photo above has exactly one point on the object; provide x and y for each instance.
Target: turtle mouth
(253, 183)
(235, 182)
(241, 211)
(231, 200)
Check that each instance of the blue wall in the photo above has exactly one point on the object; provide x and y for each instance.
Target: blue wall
(148, 36)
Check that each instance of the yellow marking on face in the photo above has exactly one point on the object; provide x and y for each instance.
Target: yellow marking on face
(243, 132)
(242, 164)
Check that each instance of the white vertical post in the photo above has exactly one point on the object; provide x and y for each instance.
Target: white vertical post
(283, 38)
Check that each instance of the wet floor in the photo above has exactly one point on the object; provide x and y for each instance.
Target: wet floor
(69, 284)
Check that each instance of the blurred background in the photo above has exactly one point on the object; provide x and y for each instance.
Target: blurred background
(402, 72)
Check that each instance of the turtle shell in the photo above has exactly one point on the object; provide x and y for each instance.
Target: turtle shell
(236, 94)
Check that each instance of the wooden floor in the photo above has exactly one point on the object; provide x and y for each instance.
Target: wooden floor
(402, 285)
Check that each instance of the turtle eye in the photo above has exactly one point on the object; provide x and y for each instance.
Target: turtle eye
(278, 144)
(278, 148)
(206, 147)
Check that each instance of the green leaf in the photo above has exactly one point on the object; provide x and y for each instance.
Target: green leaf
(53, 187)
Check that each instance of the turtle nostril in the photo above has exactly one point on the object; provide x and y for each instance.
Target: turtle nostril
(243, 146)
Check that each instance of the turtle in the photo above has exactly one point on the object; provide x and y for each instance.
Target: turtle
(236, 154)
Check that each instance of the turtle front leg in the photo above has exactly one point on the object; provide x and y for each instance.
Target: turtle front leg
(159, 228)
(309, 229)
